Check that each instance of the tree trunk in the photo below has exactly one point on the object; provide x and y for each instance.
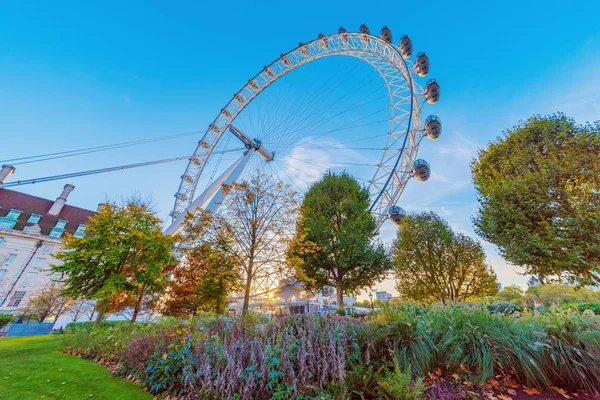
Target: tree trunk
(138, 305)
(102, 305)
(247, 294)
(339, 293)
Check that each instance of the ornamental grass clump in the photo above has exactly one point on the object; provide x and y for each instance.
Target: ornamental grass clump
(398, 337)
(569, 350)
(283, 359)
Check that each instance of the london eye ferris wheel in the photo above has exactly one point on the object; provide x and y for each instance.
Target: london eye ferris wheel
(309, 111)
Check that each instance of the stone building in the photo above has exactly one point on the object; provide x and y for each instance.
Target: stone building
(30, 234)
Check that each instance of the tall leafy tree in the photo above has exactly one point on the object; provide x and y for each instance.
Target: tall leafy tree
(335, 241)
(511, 294)
(557, 293)
(539, 197)
(254, 225)
(206, 274)
(124, 250)
(433, 263)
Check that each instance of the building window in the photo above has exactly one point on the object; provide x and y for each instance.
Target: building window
(46, 248)
(10, 220)
(14, 214)
(10, 259)
(58, 229)
(34, 218)
(38, 262)
(80, 232)
(56, 233)
(29, 278)
(16, 299)
(2, 273)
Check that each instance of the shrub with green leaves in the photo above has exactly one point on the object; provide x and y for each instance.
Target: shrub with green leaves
(339, 357)
(5, 319)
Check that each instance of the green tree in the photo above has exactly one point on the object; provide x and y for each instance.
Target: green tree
(124, 250)
(206, 275)
(5, 319)
(539, 197)
(511, 294)
(335, 241)
(434, 263)
(556, 294)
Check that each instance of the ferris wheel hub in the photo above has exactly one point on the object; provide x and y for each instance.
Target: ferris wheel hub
(250, 143)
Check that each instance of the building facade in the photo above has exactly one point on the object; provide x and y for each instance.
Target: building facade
(383, 296)
(30, 234)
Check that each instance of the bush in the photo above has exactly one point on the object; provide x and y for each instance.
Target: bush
(594, 307)
(504, 308)
(338, 357)
(5, 319)
(88, 326)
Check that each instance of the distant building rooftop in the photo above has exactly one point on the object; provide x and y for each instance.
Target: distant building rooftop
(22, 210)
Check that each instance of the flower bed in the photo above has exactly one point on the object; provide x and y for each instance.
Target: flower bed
(392, 354)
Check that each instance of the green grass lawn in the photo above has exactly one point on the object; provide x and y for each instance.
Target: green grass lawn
(34, 367)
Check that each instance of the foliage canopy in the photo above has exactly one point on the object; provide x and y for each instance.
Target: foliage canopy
(206, 274)
(434, 263)
(124, 251)
(539, 197)
(335, 238)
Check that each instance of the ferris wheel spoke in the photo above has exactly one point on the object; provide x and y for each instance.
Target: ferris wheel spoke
(310, 131)
(333, 163)
(314, 106)
(291, 169)
(325, 109)
(280, 167)
(312, 120)
(303, 104)
(313, 126)
(343, 128)
(367, 116)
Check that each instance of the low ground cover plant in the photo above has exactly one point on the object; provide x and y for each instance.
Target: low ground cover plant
(387, 355)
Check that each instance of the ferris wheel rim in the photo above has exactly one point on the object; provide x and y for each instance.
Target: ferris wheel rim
(267, 77)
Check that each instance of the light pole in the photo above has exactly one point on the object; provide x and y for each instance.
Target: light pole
(371, 298)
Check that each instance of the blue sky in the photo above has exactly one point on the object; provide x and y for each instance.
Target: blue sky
(73, 74)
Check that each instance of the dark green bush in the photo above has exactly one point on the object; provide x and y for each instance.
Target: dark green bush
(5, 319)
(595, 307)
(504, 308)
(87, 326)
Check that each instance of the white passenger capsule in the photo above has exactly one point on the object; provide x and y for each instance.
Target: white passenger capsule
(396, 214)
(433, 127)
(421, 170)
(422, 64)
(406, 46)
(432, 91)
(386, 34)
